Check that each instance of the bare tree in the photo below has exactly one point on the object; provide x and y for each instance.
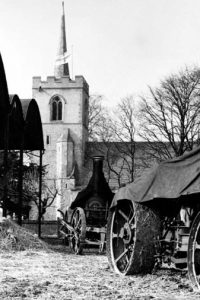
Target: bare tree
(48, 197)
(124, 130)
(170, 117)
(116, 141)
(98, 119)
(49, 191)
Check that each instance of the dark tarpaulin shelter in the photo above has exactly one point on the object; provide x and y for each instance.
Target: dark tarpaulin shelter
(20, 117)
(4, 105)
(16, 124)
(20, 129)
(25, 126)
(166, 183)
(33, 134)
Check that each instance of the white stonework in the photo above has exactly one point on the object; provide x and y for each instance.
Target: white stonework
(64, 139)
(63, 105)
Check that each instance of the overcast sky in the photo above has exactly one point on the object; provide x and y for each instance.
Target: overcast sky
(119, 46)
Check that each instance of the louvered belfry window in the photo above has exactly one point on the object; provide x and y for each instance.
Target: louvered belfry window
(56, 109)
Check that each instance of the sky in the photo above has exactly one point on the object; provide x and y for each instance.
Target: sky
(120, 46)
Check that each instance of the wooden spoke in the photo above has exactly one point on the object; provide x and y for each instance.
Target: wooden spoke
(123, 215)
(197, 246)
(131, 219)
(121, 255)
(78, 223)
(76, 218)
(115, 235)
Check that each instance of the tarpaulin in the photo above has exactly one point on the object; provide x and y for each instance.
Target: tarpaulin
(171, 179)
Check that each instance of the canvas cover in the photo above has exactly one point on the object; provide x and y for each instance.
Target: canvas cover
(169, 180)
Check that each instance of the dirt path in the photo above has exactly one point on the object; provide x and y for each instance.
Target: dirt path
(62, 275)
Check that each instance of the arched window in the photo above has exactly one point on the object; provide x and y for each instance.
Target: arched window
(56, 109)
(59, 110)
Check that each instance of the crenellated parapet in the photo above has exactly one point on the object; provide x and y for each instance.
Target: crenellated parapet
(59, 83)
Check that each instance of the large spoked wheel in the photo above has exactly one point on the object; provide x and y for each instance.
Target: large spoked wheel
(63, 231)
(131, 234)
(194, 253)
(78, 222)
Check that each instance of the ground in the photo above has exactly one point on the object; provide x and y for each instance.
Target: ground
(59, 274)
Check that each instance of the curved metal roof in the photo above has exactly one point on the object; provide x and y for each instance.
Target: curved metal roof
(4, 97)
(33, 134)
(16, 123)
(20, 121)
(4, 104)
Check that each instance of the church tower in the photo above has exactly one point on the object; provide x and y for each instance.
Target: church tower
(63, 105)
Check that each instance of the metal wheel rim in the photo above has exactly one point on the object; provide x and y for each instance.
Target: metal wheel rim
(193, 247)
(122, 240)
(75, 245)
(79, 224)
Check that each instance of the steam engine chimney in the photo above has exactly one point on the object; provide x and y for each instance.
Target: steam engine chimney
(97, 190)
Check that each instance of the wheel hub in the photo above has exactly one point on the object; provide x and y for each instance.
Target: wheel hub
(125, 233)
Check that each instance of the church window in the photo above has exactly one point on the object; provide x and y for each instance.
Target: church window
(59, 110)
(56, 109)
(48, 139)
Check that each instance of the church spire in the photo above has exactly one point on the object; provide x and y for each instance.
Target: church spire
(61, 64)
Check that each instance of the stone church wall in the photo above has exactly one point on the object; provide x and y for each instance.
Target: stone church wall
(64, 140)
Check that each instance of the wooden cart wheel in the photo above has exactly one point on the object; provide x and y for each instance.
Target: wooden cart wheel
(194, 253)
(78, 222)
(131, 233)
(65, 229)
(60, 227)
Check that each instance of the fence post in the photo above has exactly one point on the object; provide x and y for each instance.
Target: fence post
(40, 195)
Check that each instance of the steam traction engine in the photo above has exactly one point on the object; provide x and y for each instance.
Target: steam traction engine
(157, 220)
(85, 222)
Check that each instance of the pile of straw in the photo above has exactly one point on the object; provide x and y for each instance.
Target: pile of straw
(15, 237)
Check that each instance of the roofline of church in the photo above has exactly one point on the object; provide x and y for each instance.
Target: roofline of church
(64, 82)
